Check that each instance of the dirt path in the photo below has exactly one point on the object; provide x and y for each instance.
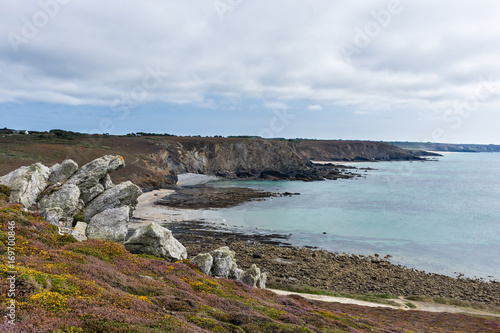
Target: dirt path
(420, 306)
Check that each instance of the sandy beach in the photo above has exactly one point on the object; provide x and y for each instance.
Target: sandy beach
(147, 212)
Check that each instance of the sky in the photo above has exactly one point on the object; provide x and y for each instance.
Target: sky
(370, 70)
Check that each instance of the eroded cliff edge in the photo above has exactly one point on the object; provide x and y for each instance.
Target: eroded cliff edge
(155, 161)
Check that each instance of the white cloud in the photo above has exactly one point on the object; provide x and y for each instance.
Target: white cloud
(93, 52)
(315, 107)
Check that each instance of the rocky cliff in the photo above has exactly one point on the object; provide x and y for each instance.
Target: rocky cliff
(353, 151)
(154, 162)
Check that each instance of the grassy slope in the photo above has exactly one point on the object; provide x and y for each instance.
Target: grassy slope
(97, 286)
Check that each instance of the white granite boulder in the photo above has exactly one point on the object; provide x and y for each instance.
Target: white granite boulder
(111, 224)
(124, 194)
(61, 172)
(204, 261)
(223, 262)
(251, 276)
(91, 176)
(156, 240)
(26, 183)
(60, 206)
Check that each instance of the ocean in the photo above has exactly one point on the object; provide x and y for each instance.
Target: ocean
(439, 216)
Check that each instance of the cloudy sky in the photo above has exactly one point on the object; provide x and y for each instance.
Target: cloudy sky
(379, 70)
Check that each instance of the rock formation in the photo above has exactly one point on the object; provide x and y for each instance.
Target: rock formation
(65, 195)
(111, 224)
(156, 240)
(221, 263)
(26, 183)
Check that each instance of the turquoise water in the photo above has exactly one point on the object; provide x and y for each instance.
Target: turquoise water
(441, 217)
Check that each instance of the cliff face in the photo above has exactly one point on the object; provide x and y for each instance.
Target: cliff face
(353, 151)
(244, 158)
(155, 161)
(452, 147)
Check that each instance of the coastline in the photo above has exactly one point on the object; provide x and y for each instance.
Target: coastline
(147, 212)
(289, 265)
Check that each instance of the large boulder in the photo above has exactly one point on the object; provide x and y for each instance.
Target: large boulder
(124, 194)
(251, 276)
(59, 207)
(205, 261)
(235, 273)
(223, 262)
(26, 183)
(79, 231)
(61, 172)
(261, 282)
(91, 176)
(156, 240)
(111, 224)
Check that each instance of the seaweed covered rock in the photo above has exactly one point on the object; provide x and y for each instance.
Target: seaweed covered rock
(26, 183)
(156, 240)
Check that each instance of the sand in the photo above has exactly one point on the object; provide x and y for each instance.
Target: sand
(147, 212)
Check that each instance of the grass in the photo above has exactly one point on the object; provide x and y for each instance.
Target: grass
(98, 286)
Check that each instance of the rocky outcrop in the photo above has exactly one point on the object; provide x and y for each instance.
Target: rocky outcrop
(61, 205)
(61, 172)
(221, 263)
(80, 231)
(156, 240)
(110, 224)
(92, 179)
(124, 194)
(26, 183)
(65, 195)
(331, 150)
(204, 261)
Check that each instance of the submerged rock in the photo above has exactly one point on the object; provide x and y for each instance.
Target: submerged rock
(111, 224)
(26, 183)
(156, 240)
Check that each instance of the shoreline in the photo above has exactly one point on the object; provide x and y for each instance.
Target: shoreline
(290, 265)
